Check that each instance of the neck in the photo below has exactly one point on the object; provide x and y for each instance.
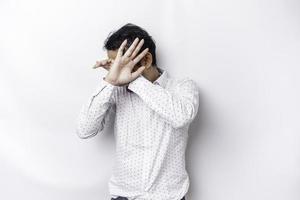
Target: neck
(151, 73)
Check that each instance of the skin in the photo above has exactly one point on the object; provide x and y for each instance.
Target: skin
(122, 69)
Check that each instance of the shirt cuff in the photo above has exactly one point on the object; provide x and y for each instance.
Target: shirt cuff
(104, 84)
(140, 83)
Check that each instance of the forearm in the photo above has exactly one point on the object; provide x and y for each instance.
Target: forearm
(92, 114)
(178, 108)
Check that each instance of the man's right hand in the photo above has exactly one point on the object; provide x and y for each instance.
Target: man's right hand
(120, 73)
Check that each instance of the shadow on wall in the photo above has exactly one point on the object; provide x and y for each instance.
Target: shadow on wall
(196, 138)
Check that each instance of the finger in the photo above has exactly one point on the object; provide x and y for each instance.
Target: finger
(103, 66)
(111, 61)
(96, 65)
(138, 72)
(140, 56)
(120, 50)
(107, 67)
(131, 48)
(100, 63)
(137, 49)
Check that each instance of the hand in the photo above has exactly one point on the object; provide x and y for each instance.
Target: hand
(120, 73)
(106, 64)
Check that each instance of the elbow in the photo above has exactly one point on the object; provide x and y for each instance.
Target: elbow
(180, 123)
(86, 133)
(185, 118)
(87, 128)
(187, 112)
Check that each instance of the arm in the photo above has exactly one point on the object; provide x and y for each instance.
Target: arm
(178, 107)
(92, 115)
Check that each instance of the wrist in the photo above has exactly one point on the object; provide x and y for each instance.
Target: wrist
(110, 81)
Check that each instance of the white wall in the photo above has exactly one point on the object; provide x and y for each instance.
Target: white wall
(245, 142)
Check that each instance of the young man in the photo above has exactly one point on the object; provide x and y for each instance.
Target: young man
(152, 116)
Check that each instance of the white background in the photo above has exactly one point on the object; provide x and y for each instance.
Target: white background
(244, 144)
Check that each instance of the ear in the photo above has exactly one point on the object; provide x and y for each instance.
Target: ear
(146, 60)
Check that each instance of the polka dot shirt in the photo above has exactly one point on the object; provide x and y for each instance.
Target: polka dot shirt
(151, 131)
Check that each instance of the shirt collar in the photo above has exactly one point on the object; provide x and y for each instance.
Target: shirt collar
(162, 79)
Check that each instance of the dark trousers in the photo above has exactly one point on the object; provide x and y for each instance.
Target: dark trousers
(124, 198)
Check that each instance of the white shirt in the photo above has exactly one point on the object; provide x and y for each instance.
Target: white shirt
(151, 132)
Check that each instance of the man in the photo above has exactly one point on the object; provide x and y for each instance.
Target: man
(152, 116)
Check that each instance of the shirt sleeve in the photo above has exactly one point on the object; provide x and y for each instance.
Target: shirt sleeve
(178, 107)
(91, 118)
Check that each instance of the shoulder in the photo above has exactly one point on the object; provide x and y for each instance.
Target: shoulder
(183, 85)
(185, 82)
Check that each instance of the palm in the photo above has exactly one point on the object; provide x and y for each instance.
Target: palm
(125, 75)
(120, 73)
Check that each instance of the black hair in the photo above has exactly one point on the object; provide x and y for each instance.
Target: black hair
(130, 31)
